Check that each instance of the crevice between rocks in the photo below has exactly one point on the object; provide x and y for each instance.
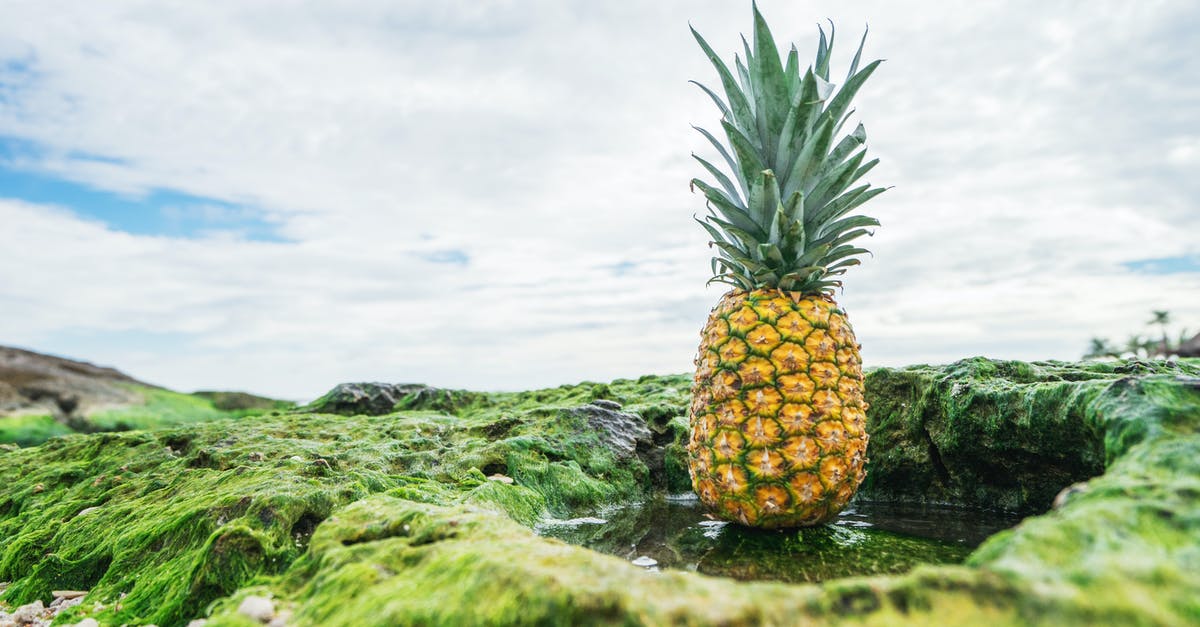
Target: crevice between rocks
(935, 458)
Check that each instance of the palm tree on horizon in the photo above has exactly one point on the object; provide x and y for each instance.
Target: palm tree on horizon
(1162, 319)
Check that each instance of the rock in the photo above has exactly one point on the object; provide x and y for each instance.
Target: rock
(70, 594)
(377, 399)
(238, 401)
(257, 608)
(1068, 492)
(621, 432)
(366, 399)
(403, 513)
(88, 622)
(644, 561)
(359, 399)
(197, 622)
(65, 604)
(981, 433)
(56, 396)
(29, 613)
(501, 478)
(1190, 348)
(10, 398)
(607, 404)
(32, 381)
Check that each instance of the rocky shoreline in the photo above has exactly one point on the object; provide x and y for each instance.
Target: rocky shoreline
(425, 514)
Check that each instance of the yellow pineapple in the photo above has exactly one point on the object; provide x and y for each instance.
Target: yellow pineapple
(778, 417)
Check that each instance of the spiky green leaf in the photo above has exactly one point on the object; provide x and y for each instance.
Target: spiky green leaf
(748, 161)
(790, 165)
(729, 160)
(739, 106)
(770, 85)
(730, 189)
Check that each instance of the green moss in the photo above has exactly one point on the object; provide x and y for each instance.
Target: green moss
(1006, 434)
(162, 408)
(30, 430)
(159, 408)
(209, 507)
(391, 519)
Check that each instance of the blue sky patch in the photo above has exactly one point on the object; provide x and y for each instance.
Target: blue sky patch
(159, 212)
(452, 257)
(1165, 265)
(621, 269)
(15, 73)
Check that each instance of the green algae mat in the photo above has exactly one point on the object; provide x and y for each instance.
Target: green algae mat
(427, 515)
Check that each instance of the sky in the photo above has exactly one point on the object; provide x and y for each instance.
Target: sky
(277, 197)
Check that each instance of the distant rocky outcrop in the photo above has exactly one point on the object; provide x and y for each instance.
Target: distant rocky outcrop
(240, 401)
(43, 396)
(378, 399)
(44, 384)
(1190, 348)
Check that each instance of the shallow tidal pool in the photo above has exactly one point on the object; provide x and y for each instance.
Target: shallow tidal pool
(865, 539)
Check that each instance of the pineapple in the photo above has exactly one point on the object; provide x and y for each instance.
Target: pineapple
(778, 422)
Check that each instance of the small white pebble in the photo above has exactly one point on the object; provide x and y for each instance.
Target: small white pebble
(296, 458)
(645, 562)
(87, 622)
(87, 510)
(199, 622)
(260, 609)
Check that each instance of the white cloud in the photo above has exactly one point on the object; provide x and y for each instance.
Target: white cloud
(1034, 148)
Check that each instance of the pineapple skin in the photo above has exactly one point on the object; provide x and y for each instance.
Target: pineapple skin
(778, 420)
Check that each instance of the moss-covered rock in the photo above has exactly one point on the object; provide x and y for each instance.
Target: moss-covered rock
(410, 518)
(241, 401)
(377, 399)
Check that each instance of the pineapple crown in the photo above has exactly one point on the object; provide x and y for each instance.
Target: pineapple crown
(784, 220)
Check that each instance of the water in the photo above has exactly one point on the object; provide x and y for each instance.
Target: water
(866, 539)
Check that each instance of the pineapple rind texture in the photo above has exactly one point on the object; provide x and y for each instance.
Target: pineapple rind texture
(778, 418)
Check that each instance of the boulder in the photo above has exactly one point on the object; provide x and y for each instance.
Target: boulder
(377, 399)
(624, 433)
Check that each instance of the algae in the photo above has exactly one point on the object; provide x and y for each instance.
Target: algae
(158, 408)
(30, 429)
(408, 518)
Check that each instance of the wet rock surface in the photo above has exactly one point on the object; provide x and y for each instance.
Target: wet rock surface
(405, 518)
(621, 432)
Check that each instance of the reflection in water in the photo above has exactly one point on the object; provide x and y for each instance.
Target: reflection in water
(866, 539)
